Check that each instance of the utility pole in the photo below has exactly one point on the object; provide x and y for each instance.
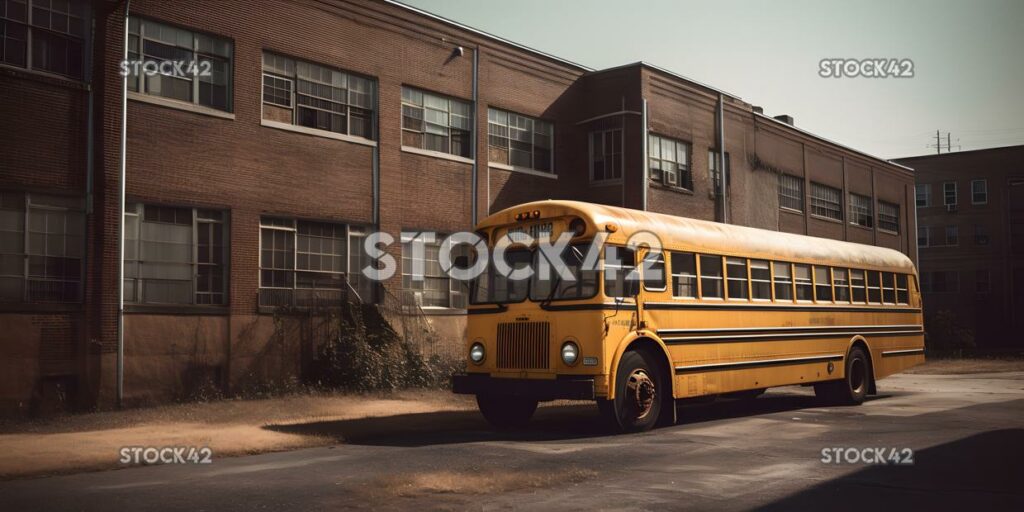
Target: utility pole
(938, 142)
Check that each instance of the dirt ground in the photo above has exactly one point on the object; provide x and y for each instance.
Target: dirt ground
(93, 441)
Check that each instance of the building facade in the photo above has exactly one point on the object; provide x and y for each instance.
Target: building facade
(311, 124)
(970, 217)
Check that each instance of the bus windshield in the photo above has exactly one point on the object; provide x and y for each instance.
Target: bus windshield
(493, 288)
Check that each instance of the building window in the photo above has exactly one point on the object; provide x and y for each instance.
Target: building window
(791, 192)
(825, 201)
(434, 288)
(606, 155)
(684, 275)
(942, 281)
(923, 194)
(520, 141)
(980, 235)
(937, 236)
(309, 264)
(436, 123)
(979, 191)
(982, 281)
(53, 33)
(949, 193)
(174, 255)
(209, 56)
(714, 173)
(314, 96)
(861, 213)
(669, 162)
(42, 239)
(889, 217)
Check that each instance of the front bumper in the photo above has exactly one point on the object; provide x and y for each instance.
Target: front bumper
(563, 387)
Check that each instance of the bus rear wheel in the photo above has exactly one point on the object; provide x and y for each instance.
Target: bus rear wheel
(505, 411)
(638, 389)
(853, 389)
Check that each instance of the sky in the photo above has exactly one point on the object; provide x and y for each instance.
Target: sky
(968, 58)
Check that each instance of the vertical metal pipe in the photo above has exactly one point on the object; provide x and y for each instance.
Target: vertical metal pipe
(645, 184)
(476, 98)
(120, 219)
(723, 176)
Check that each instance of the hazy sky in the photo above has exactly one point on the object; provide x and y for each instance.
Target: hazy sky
(968, 58)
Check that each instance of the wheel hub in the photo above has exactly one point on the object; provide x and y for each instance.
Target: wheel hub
(641, 390)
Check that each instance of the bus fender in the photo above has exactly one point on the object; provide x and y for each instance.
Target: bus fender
(626, 343)
(861, 340)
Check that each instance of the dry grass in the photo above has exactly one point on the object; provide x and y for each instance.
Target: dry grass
(473, 483)
(229, 428)
(962, 366)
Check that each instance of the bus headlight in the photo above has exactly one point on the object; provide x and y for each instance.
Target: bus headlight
(570, 353)
(476, 353)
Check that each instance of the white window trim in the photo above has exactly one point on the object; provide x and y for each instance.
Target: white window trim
(278, 125)
(956, 196)
(533, 133)
(437, 154)
(179, 105)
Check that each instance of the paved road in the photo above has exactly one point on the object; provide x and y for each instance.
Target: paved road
(966, 432)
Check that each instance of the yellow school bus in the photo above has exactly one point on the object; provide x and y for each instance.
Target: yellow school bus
(718, 310)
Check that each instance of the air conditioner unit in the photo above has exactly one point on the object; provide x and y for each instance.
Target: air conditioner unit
(657, 175)
(951, 207)
(672, 179)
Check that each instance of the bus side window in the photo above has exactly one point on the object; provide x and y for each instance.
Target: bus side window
(653, 271)
(841, 284)
(902, 297)
(783, 281)
(822, 284)
(888, 288)
(874, 287)
(804, 287)
(857, 283)
(760, 280)
(711, 277)
(619, 263)
(684, 275)
(736, 270)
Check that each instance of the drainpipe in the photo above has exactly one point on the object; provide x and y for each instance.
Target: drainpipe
(720, 136)
(120, 220)
(476, 97)
(644, 164)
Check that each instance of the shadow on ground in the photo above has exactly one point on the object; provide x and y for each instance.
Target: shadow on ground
(980, 472)
(549, 424)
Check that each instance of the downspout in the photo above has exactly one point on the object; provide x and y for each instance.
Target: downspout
(474, 179)
(645, 184)
(120, 219)
(722, 171)
(375, 166)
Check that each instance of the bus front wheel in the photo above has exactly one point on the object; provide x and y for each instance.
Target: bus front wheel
(506, 411)
(854, 388)
(638, 388)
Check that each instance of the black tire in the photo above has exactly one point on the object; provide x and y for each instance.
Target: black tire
(639, 385)
(504, 411)
(853, 389)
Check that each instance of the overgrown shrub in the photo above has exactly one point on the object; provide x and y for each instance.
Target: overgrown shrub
(944, 333)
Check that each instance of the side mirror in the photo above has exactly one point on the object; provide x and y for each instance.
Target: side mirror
(631, 287)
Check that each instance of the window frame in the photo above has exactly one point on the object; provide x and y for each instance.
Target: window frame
(974, 193)
(141, 79)
(456, 290)
(750, 269)
(72, 209)
(788, 283)
(807, 282)
(743, 279)
(470, 134)
(720, 278)
(785, 192)
(918, 195)
(619, 162)
(78, 9)
(948, 193)
(888, 215)
(534, 133)
(827, 208)
(676, 276)
(683, 170)
(861, 212)
(294, 104)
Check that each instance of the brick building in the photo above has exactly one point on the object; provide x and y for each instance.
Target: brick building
(317, 122)
(970, 216)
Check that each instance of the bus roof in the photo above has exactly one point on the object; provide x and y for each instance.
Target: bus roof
(714, 237)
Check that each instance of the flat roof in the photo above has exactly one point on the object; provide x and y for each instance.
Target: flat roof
(950, 153)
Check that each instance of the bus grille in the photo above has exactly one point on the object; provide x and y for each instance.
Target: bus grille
(523, 345)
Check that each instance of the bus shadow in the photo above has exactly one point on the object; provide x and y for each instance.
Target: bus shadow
(551, 423)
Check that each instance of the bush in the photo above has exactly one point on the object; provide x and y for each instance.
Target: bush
(945, 333)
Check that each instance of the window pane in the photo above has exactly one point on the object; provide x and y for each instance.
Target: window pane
(684, 275)
(802, 276)
(783, 281)
(619, 266)
(654, 271)
(858, 285)
(822, 284)
(711, 277)
(841, 285)
(737, 274)
(760, 280)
